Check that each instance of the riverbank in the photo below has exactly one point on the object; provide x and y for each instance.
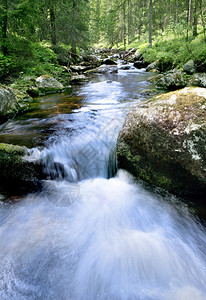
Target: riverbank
(47, 70)
(180, 62)
(72, 229)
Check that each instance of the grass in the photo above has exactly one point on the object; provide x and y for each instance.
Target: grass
(173, 51)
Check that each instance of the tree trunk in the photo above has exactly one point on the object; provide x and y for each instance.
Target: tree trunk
(124, 25)
(150, 23)
(4, 27)
(128, 21)
(203, 21)
(188, 18)
(52, 23)
(195, 19)
(74, 37)
(176, 12)
(98, 14)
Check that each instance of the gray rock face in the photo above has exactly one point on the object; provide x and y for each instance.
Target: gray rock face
(8, 101)
(48, 84)
(189, 67)
(172, 80)
(163, 142)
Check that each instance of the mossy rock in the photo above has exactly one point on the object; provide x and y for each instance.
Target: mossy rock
(163, 142)
(17, 172)
(48, 85)
(189, 67)
(8, 102)
(172, 80)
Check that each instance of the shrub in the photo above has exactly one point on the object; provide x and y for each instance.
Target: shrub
(9, 65)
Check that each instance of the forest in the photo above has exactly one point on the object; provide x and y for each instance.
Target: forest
(102, 149)
(32, 31)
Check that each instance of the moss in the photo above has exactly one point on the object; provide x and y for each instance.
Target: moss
(188, 102)
(12, 150)
(172, 177)
(163, 142)
(17, 172)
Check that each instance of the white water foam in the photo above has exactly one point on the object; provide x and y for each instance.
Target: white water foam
(116, 241)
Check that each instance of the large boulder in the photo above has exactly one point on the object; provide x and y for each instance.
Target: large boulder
(47, 84)
(17, 171)
(189, 67)
(8, 102)
(163, 142)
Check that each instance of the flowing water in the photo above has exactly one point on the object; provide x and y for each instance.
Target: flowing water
(92, 233)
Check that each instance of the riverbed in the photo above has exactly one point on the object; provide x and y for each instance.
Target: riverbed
(93, 232)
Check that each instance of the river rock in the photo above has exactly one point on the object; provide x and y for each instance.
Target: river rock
(153, 66)
(189, 67)
(172, 80)
(109, 61)
(138, 56)
(79, 69)
(148, 92)
(17, 172)
(198, 79)
(125, 67)
(47, 84)
(129, 55)
(77, 79)
(8, 102)
(140, 64)
(163, 142)
(104, 69)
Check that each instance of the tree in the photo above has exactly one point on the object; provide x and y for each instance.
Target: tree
(150, 22)
(195, 18)
(52, 22)
(203, 19)
(189, 3)
(4, 26)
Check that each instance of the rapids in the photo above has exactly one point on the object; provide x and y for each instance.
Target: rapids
(93, 233)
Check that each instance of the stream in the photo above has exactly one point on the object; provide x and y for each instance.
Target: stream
(92, 232)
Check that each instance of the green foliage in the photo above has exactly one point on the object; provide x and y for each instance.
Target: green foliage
(19, 46)
(173, 51)
(28, 58)
(43, 53)
(9, 65)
